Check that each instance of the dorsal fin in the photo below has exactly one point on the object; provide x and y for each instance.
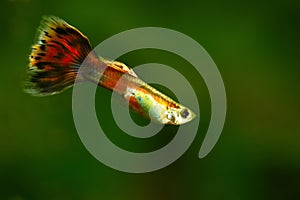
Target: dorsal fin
(119, 66)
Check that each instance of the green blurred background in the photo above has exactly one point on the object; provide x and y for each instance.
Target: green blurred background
(255, 44)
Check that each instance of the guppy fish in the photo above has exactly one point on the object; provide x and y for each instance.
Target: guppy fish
(58, 54)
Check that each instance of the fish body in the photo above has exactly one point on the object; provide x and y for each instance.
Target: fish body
(60, 51)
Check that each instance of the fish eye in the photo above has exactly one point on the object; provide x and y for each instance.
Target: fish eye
(184, 113)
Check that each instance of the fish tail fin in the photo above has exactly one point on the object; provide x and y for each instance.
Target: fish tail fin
(56, 57)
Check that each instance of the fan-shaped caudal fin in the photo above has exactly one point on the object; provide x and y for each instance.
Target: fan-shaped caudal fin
(56, 57)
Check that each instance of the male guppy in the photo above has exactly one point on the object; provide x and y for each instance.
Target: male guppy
(58, 55)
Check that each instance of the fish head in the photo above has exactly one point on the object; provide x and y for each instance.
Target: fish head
(178, 116)
(186, 115)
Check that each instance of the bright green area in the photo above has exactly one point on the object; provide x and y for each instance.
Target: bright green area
(255, 44)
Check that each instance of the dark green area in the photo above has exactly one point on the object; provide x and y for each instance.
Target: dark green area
(255, 45)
